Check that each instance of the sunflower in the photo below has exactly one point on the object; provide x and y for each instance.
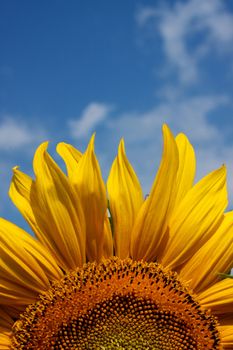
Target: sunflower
(117, 272)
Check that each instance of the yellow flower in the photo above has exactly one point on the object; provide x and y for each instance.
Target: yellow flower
(141, 274)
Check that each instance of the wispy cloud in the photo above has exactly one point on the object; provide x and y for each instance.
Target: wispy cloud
(19, 137)
(16, 133)
(92, 115)
(191, 115)
(192, 32)
(179, 24)
(187, 114)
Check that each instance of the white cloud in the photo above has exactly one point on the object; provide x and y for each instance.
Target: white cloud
(191, 31)
(191, 115)
(92, 115)
(16, 133)
(179, 23)
(187, 114)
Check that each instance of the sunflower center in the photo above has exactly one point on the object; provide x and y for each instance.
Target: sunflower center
(117, 304)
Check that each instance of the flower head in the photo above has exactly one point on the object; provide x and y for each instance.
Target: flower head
(132, 274)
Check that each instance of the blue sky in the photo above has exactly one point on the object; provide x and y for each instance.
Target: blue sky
(120, 68)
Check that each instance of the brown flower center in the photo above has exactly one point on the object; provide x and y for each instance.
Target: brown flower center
(117, 304)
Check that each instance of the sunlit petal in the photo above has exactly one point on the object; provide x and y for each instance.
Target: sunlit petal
(219, 297)
(149, 231)
(56, 197)
(215, 256)
(197, 217)
(226, 336)
(187, 167)
(125, 196)
(70, 155)
(92, 192)
(26, 268)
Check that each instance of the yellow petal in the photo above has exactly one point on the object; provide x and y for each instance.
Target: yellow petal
(11, 293)
(125, 199)
(6, 322)
(195, 220)
(215, 256)
(187, 167)
(26, 268)
(13, 312)
(226, 333)
(25, 197)
(60, 214)
(22, 194)
(219, 297)
(149, 232)
(89, 184)
(5, 341)
(20, 190)
(70, 155)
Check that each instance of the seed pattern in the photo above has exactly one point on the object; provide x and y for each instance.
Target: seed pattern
(117, 304)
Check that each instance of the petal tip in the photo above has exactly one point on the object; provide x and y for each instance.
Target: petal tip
(165, 128)
(121, 148)
(91, 145)
(15, 168)
(59, 146)
(167, 133)
(43, 147)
